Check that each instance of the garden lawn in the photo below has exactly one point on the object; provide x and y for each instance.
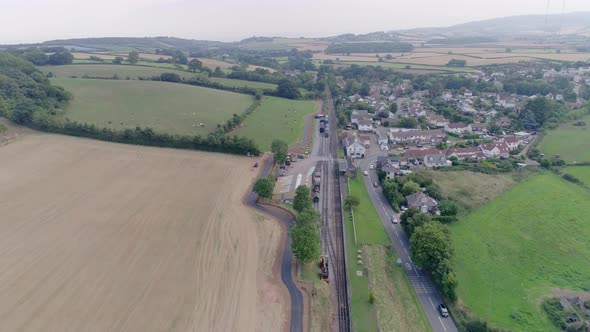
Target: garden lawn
(166, 107)
(518, 247)
(369, 228)
(571, 143)
(277, 118)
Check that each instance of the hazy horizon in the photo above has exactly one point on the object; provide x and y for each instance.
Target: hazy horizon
(232, 20)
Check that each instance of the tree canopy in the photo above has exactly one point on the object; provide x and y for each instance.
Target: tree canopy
(280, 150)
(302, 200)
(263, 187)
(287, 89)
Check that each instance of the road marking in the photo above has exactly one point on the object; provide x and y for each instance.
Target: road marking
(429, 299)
(405, 250)
(443, 324)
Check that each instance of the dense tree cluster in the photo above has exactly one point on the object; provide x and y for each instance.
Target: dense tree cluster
(305, 236)
(47, 56)
(288, 89)
(24, 91)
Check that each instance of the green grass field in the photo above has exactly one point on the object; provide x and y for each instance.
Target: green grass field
(396, 307)
(580, 172)
(363, 315)
(277, 118)
(470, 189)
(241, 83)
(165, 107)
(514, 250)
(369, 229)
(571, 143)
(134, 72)
(108, 70)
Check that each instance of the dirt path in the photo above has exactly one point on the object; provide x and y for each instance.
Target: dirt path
(98, 236)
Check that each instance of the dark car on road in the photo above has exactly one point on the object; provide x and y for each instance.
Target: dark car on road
(442, 309)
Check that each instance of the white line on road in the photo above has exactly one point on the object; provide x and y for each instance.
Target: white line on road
(429, 299)
(405, 250)
(441, 323)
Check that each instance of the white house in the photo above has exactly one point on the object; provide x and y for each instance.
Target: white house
(458, 128)
(389, 170)
(512, 142)
(495, 150)
(382, 138)
(354, 148)
(365, 125)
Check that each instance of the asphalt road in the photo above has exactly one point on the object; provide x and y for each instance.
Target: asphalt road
(427, 292)
(296, 323)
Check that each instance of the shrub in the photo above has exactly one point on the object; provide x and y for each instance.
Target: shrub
(371, 298)
(554, 310)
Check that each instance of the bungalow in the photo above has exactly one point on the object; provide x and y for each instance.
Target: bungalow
(422, 202)
(479, 128)
(358, 115)
(353, 147)
(458, 128)
(365, 125)
(432, 136)
(365, 139)
(436, 120)
(466, 153)
(436, 160)
(468, 93)
(417, 155)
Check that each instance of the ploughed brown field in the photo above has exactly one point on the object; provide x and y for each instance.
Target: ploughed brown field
(97, 236)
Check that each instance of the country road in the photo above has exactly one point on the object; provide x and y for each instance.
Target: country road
(426, 291)
(296, 321)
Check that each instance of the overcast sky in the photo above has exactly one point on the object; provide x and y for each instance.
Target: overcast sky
(25, 21)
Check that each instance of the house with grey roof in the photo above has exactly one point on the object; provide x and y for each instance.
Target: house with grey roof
(422, 202)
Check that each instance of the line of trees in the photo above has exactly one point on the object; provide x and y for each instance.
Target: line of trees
(369, 47)
(216, 141)
(305, 236)
(431, 248)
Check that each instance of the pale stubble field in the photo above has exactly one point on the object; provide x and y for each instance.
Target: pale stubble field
(97, 236)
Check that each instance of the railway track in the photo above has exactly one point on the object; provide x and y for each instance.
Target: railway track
(332, 229)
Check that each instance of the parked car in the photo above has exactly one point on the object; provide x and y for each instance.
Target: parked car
(371, 166)
(393, 220)
(376, 184)
(365, 173)
(442, 309)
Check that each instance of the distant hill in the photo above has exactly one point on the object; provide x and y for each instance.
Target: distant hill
(129, 43)
(572, 24)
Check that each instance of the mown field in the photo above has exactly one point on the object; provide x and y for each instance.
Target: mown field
(571, 143)
(396, 307)
(166, 107)
(520, 246)
(277, 118)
